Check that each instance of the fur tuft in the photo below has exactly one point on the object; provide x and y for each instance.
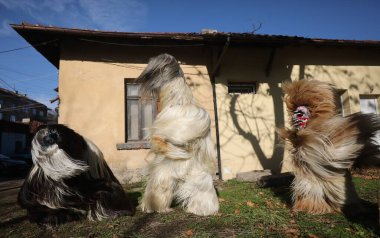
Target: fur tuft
(160, 71)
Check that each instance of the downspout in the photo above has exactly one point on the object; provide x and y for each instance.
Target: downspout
(213, 74)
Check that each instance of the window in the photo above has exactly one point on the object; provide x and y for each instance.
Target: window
(1, 116)
(41, 113)
(369, 104)
(241, 88)
(139, 116)
(12, 118)
(342, 102)
(34, 111)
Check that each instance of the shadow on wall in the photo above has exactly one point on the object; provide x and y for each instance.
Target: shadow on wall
(355, 79)
(274, 163)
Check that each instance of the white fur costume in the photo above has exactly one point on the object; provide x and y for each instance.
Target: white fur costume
(181, 142)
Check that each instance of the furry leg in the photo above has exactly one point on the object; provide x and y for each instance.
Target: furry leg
(158, 194)
(110, 201)
(198, 194)
(317, 196)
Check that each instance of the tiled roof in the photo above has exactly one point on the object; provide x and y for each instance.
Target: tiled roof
(17, 95)
(46, 39)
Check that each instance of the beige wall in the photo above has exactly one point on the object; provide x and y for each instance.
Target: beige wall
(247, 122)
(92, 99)
(92, 96)
(354, 80)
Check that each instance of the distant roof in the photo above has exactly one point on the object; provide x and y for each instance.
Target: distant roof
(46, 39)
(17, 95)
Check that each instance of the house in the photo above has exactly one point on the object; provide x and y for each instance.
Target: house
(236, 77)
(18, 107)
(18, 114)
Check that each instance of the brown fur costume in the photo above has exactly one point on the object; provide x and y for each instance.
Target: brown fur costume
(327, 148)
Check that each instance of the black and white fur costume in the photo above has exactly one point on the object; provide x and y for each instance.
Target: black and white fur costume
(70, 179)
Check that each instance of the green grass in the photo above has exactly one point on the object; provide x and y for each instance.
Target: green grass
(245, 211)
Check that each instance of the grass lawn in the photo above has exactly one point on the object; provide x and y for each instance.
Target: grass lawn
(245, 211)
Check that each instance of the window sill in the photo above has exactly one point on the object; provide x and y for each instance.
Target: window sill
(133, 145)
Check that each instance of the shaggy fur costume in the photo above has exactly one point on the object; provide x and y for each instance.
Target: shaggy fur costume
(325, 146)
(180, 137)
(70, 179)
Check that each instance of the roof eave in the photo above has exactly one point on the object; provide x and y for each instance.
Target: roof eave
(52, 36)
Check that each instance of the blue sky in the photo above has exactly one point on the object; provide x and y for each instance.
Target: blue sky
(28, 72)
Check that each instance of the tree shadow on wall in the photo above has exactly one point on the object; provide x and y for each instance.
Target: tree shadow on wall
(274, 163)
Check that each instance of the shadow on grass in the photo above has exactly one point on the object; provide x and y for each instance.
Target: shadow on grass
(134, 197)
(367, 215)
(140, 225)
(12, 222)
(153, 225)
(284, 194)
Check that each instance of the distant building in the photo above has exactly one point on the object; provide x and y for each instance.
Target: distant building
(19, 117)
(15, 138)
(17, 107)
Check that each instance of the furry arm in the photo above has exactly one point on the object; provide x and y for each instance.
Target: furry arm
(175, 127)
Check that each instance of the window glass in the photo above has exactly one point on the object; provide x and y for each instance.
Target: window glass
(139, 114)
(147, 118)
(369, 104)
(133, 119)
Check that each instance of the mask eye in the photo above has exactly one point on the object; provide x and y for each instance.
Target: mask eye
(298, 114)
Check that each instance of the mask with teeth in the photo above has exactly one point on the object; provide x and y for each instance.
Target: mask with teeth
(300, 117)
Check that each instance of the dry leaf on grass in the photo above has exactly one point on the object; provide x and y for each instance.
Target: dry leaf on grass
(312, 236)
(269, 204)
(292, 231)
(189, 233)
(251, 204)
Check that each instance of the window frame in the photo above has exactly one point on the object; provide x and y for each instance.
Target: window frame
(234, 87)
(140, 143)
(342, 102)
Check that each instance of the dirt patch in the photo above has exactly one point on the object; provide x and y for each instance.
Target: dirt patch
(368, 173)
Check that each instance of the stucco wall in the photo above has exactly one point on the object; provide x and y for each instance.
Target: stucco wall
(247, 122)
(91, 90)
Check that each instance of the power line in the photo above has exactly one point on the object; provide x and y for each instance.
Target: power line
(25, 47)
(111, 62)
(12, 70)
(5, 82)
